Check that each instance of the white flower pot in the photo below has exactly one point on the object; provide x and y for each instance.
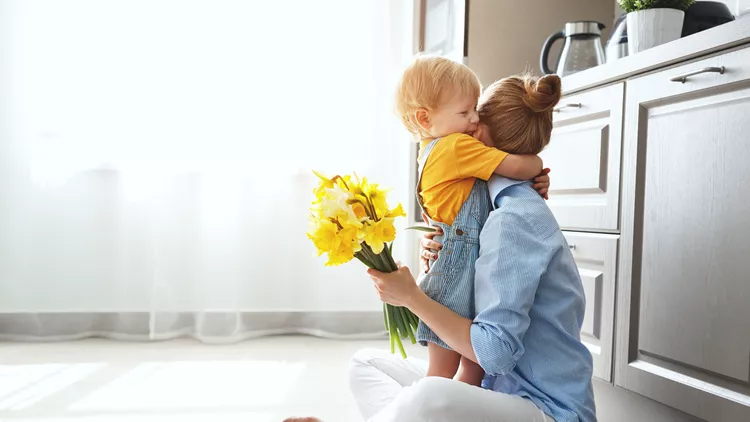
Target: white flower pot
(652, 27)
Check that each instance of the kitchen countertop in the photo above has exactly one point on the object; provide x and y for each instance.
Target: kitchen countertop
(703, 43)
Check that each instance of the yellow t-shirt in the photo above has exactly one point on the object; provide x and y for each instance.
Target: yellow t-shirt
(455, 162)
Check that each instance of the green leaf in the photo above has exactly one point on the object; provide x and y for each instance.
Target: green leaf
(637, 5)
(422, 229)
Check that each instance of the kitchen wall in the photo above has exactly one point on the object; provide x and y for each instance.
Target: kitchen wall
(506, 37)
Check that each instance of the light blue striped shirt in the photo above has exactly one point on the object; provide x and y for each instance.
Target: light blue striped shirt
(530, 304)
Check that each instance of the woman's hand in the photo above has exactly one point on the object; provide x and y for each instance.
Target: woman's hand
(429, 248)
(397, 288)
(541, 183)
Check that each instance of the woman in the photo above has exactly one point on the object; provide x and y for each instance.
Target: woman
(528, 295)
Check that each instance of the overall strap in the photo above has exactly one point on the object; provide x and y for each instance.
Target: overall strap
(421, 163)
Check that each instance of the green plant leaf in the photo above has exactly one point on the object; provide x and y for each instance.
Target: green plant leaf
(637, 5)
(422, 229)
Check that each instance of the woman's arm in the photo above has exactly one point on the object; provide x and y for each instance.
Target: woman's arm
(399, 289)
(513, 258)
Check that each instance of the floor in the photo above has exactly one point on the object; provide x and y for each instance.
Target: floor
(259, 380)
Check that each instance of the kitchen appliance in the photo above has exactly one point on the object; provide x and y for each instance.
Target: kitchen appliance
(703, 15)
(617, 45)
(582, 48)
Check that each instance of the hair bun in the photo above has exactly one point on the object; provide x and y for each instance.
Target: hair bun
(543, 94)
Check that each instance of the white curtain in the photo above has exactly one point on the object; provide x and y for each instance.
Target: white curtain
(156, 157)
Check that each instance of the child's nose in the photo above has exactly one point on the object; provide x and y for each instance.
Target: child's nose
(474, 117)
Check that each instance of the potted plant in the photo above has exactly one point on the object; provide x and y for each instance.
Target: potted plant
(653, 22)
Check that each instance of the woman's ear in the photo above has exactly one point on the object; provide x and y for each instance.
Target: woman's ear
(422, 117)
(483, 134)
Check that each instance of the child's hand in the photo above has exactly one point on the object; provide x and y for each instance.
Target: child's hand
(541, 183)
(429, 248)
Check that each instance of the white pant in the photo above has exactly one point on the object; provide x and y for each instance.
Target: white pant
(388, 388)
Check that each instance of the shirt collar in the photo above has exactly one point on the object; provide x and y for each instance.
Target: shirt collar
(497, 184)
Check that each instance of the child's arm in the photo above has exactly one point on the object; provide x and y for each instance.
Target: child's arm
(520, 167)
(475, 159)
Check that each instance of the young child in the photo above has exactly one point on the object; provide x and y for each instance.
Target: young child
(437, 100)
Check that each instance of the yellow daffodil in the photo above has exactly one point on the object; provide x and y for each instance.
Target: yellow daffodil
(356, 186)
(378, 233)
(325, 183)
(341, 254)
(359, 210)
(396, 212)
(352, 237)
(323, 235)
(376, 196)
(347, 243)
(335, 205)
(348, 212)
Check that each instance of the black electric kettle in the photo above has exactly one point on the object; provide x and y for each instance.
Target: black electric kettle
(582, 48)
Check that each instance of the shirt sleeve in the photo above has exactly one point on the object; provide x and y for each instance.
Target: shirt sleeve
(512, 260)
(475, 159)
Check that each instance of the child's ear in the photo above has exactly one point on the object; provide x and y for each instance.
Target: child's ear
(422, 117)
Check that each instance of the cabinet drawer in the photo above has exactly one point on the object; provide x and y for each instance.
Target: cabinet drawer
(711, 73)
(584, 155)
(596, 258)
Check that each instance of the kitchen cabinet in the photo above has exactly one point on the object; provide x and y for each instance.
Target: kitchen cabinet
(683, 335)
(584, 155)
(649, 157)
(596, 258)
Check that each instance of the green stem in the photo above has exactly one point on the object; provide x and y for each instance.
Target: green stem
(401, 347)
(372, 209)
(396, 325)
(405, 317)
(388, 259)
(397, 320)
(374, 259)
(400, 323)
(363, 259)
(391, 328)
(385, 317)
(380, 261)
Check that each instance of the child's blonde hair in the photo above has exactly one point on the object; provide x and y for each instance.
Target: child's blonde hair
(428, 83)
(518, 112)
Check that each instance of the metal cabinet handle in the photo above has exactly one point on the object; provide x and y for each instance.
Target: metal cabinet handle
(557, 110)
(572, 246)
(683, 78)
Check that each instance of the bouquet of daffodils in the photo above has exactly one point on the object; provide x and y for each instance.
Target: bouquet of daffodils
(350, 218)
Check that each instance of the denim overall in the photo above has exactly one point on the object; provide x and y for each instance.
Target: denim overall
(450, 280)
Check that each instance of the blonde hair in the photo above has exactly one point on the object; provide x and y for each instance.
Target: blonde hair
(428, 82)
(518, 112)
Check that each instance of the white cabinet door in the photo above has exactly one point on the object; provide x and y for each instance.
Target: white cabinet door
(596, 257)
(683, 322)
(584, 155)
